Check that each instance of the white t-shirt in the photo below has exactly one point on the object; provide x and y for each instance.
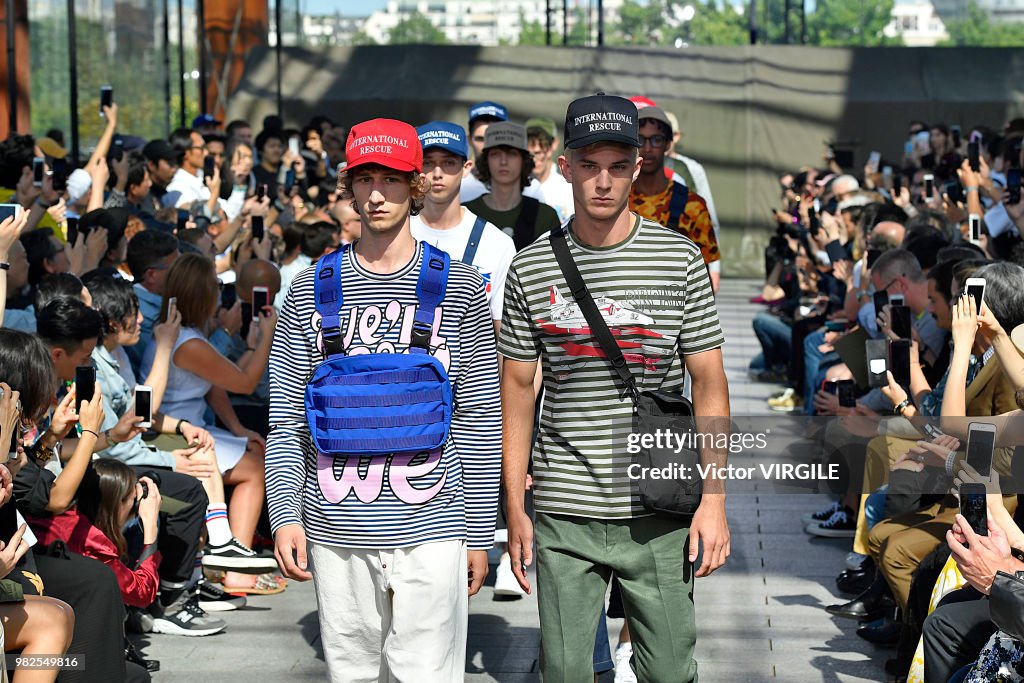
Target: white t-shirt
(288, 273)
(493, 254)
(473, 188)
(558, 195)
(185, 189)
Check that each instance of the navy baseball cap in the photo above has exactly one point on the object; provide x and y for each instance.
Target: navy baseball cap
(492, 110)
(601, 118)
(205, 120)
(451, 137)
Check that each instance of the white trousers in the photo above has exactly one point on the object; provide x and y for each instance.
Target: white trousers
(394, 616)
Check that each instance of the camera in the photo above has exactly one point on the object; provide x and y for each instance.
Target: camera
(145, 489)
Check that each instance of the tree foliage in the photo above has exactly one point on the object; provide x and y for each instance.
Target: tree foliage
(416, 29)
(532, 32)
(977, 29)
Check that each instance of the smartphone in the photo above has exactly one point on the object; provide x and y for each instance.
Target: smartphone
(261, 191)
(877, 353)
(85, 385)
(955, 192)
(836, 252)
(118, 149)
(976, 288)
(289, 179)
(929, 186)
(106, 97)
(899, 361)
(813, 224)
(899, 317)
(228, 295)
(171, 304)
(38, 171)
(974, 155)
(208, 166)
(897, 184)
(881, 300)
(973, 507)
(974, 228)
(144, 406)
(932, 431)
(957, 137)
(260, 299)
(887, 172)
(896, 300)
(293, 146)
(71, 234)
(908, 148)
(847, 393)
(183, 217)
(873, 255)
(59, 174)
(1013, 186)
(8, 210)
(257, 228)
(247, 319)
(981, 444)
(830, 386)
(874, 159)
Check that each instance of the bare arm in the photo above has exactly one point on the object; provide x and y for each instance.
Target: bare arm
(200, 358)
(517, 412)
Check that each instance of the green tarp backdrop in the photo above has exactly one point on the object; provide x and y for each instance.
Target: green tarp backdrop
(748, 114)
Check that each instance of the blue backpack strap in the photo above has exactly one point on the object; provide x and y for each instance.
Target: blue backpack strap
(430, 291)
(474, 241)
(677, 205)
(329, 299)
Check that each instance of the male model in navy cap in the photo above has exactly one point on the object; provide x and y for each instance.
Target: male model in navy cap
(652, 289)
(482, 115)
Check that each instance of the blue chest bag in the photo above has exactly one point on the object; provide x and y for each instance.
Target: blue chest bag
(379, 403)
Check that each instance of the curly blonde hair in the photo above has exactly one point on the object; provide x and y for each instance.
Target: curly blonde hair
(417, 187)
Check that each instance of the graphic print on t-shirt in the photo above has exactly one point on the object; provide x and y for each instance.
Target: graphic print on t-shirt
(624, 321)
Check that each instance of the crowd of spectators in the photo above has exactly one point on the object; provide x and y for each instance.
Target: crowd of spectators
(860, 271)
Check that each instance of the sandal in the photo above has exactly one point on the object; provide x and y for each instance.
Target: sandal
(266, 584)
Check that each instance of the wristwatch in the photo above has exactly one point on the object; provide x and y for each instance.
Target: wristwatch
(898, 410)
(42, 454)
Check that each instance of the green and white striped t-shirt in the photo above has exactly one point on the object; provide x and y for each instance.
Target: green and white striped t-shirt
(653, 291)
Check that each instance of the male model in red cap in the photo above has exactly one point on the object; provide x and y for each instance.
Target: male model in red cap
(651, 290)
(395, 544)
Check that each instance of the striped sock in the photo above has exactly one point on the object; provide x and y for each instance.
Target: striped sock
(217, 524)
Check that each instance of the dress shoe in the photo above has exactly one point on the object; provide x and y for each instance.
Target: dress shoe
(874, 603)
(854, 582)
(132, 655)
(884, 632)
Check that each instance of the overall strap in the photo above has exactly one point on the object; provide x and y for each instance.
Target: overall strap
(474, 241)
(430, 289)
(329, 299)
(677, 205)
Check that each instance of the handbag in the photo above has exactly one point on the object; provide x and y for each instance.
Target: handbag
(674, 496)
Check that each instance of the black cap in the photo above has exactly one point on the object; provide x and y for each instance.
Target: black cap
(601, 118)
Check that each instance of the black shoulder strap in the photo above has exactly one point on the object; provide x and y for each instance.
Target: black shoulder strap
(560, 245)
(677, 204)
(474, 241)
(526, 225)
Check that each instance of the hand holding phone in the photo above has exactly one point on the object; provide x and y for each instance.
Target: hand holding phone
(38, 171)
(847, 393)
(974, 507)
(975, 287)
(981, 446)
(106, 97)
(974, 156)
(144, 406)
(974, 228)
(209, 166)
(260, 300)
(85, 385)
(257, 228)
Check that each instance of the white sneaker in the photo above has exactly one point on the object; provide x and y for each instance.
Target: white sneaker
(505, 581)
(623, 671)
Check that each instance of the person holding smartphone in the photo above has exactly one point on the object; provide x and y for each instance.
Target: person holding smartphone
(189, 187)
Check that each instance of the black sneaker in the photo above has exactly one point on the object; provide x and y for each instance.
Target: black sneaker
(235, 557)
(821, 515)
(212, 598)
(842, 524)
(184, 617)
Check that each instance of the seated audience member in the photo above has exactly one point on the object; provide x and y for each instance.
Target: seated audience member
(18, 311)
(115, 222)
(253, 409)
(200, 378)
(91, 589)
(150, 255)
(60, 285)
(45, 255)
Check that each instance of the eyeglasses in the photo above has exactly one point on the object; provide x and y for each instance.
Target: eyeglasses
(655, 141)
(202, 147)
(891, 283)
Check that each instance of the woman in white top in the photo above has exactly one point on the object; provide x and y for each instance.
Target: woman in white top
(200, 378)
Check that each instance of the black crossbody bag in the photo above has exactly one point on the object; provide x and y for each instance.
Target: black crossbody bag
(679, 495)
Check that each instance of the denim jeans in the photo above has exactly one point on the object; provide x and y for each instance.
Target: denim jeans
(776, 339)
(815, 364)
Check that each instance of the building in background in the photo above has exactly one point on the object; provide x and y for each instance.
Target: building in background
(917, 22)
(1000, 10)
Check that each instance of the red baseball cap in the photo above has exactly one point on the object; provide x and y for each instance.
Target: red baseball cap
(390, 143)
(640, 101)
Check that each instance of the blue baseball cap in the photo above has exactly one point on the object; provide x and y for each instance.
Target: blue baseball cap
(492, 110)
(205, 120)
(451, 137)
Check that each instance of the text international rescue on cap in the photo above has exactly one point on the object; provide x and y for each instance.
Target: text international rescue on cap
(381, 144)
(604, 121)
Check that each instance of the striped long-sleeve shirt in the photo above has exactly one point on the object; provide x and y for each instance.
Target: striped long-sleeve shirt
(388, 502)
